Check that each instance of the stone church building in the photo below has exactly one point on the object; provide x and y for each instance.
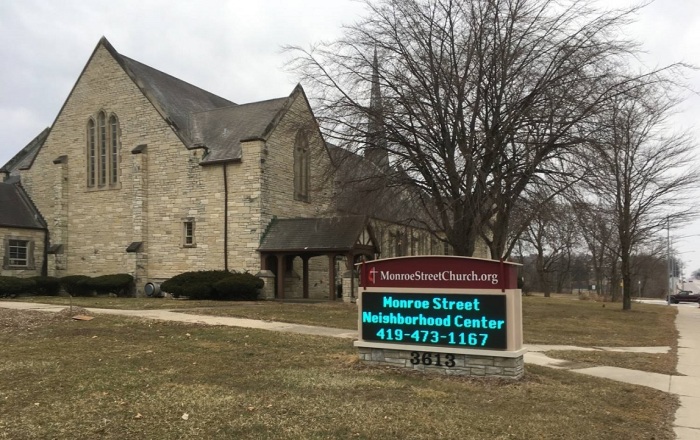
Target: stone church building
(143, 173)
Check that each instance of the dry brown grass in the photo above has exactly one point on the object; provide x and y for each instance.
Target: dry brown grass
(116, 378)
(561, 320)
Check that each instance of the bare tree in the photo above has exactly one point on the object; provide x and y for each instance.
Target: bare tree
(596, 223)
(552, 235)
(479, 99)
(642, 170)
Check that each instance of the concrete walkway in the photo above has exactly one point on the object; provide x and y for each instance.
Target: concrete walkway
(687, 387)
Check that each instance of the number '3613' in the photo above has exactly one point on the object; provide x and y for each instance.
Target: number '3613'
(437, 359)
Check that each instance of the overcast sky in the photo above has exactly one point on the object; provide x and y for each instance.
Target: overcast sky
(233, 49)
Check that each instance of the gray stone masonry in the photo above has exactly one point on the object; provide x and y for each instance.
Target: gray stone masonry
(460, 364)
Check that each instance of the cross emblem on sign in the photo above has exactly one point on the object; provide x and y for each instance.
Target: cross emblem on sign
(373, 275)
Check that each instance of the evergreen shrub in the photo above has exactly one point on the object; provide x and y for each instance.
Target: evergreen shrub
(75, 285)
(14, 286)
(46, 286)
(213, 284)
(239, 286)
(121, 284)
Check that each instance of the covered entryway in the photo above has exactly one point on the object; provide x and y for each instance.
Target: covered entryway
(337, 238)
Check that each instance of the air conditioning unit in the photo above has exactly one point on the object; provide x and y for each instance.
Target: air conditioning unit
(152, 289)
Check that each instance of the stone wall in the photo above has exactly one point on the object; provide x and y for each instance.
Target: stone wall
(461, 364)
(277, 189)
(158, 189)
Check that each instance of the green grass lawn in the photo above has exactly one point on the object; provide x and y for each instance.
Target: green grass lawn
(117, 378)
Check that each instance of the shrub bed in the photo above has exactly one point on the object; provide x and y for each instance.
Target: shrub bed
(238, 286)
(46, 286)
(213, 284)
(13, 286)
(73, 284)
(120, 284)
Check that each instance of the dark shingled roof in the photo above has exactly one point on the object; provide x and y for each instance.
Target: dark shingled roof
(201, 118)
(363, 188)
(177, 99)
(222, 130)
(17, 209)
(198, 117)
(26, 155)
(313, 234)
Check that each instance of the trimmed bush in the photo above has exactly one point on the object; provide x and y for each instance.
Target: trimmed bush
(13, 286)
(120, 284)
(200, 290)
(205, 285)
(238, 286)
(46, 286)
(75, 286)
(186, 283)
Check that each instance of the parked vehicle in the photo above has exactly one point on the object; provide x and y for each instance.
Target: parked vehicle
(684, 296)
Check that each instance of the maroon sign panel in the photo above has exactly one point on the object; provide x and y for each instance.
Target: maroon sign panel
(439, 272)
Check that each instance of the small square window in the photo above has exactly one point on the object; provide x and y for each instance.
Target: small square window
(188, 233)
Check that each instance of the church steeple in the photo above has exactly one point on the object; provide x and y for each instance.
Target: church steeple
(376, 149)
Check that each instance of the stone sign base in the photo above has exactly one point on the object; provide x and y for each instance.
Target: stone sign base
(446, 363)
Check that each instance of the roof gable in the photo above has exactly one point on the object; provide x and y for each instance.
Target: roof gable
(26, 155)
(339, 234)
(223, 130)
(174, 98)
(17, 210)
(177, 99)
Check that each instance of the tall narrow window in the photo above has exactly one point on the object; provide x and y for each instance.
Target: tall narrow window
(102, 139)
(103, 145)
(301, 166)
(91, 154)
(188, 233)
(113, 150)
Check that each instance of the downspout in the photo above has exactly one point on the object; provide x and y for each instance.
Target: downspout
(45, 263)
(225, 167)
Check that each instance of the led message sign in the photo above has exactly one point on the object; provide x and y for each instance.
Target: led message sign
(433, 319)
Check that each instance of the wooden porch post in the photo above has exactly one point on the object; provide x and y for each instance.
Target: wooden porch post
(331, 277)
(281, 269)
(305, 275)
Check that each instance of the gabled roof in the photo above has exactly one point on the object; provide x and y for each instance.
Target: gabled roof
(368, 189)
(174, 98)
(199, 118)
(222, 130)
(26, 155)
(339, 234)
(18, 211)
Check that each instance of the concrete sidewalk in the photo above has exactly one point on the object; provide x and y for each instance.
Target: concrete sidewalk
(167, 315)
(687, 387)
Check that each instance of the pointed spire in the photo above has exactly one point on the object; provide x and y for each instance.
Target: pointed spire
(376, 150)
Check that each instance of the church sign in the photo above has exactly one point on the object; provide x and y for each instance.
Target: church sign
(448, 313)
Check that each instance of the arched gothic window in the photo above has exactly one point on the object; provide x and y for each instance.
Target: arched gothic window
(103, 151)
(301, 166)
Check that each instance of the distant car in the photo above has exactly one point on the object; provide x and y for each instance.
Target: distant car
(684, 296)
